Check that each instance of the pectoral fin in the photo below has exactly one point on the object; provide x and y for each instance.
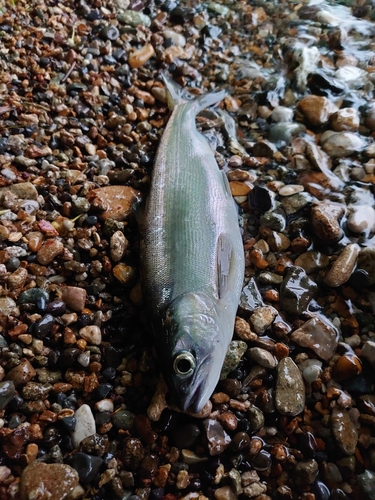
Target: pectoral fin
(224, 255)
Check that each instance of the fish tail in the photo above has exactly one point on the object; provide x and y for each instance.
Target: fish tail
(177, 95)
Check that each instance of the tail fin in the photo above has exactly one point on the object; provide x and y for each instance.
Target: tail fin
(177, 95)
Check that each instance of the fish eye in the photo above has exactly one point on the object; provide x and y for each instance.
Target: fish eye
(184, 364)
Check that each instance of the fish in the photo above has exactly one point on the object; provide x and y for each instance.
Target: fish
(192, 258)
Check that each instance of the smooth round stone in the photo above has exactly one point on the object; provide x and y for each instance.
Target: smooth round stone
(290, 388)
(87, 466)
(7, 391)
(44, 326)
(316, 109)
(84, 359)
(290, 189)
(366, 261)
(344, 430)
(318, 334)
(52, 481)
(296, 291)
(353, 76)
(345, 119)
(340, 144)
(262, 357)
(92, 334)
(312, 261)
(343, 266)
(85, 425)
(261, 461)
(311, 369)
(56, 308)
(110, 32)
(282, 114)
(361, 219)
(13, 264)
(305, 472)
(240, 441)
(14, 421)
(69, 423)
(123, 419)
(262, 318)
(256, 417)
(225, 493)
(186, 435)
(366, 480)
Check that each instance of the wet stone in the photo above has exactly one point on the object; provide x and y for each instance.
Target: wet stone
(312, 261)
(262, 357)
(47, 481)
(361, 219)
(44, 326)
(123, 419)
(251, 298)
(50, 249)
(297, 291)
(186, 435)
(85, 425)
(22, 373)
(292, 204)
(35, 391)
(325, 218)
(236, 350)
(366, 261)
(305, 472)
(256, 418)
(113, 202)
(87, 466)
(316, 109)
(290, 388)
(262, 318)
(345, 120)
(344, 431)
(343, 267)
(74, 297)
(92, 334)
(7, 306)
(7, 391)
(366, 480)
(32, 295)
(319, 335)
(340, 144)
(218, 440)
(96, 445)
(225, 493)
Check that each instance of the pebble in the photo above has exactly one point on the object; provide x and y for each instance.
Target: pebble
(23, 190)
(278, 242)
(47, 481)
(85, 424)
(345, 120)
(311, 369)
(343, 266)
(134, 18)
(22, 373)
(290, 189)
(361, 219)
(125, 274)
(49, 250)
(368, 351)
(290, 388)
(118, 246)
(344, 430)
(225, 493)
(114, 202)
(262, 318)
(236, 350)
(312, 261)
(256, 418)
(340, 144)
(7, 391)
(8, 306)
(123, 419)
(316, 109)
(366, 261)
(296, 291)
(217, 439)
(74, 297)
(92, 334)
(305, 472)
(87, 466)
(262, 357)
(325, 217)
(242, 329)
(139, 57)
(319, 335)
(366, 480)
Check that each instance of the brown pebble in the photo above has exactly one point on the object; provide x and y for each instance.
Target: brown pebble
(74, 297)
(113, 202)
(347, 366)
(343, 266)
(139, 57)
(325, 217)
(47, 481)
(22, 373)
(50, 249)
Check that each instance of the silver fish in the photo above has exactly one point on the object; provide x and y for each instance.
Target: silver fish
(192, 255)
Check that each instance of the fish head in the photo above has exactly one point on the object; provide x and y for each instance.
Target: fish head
(194, 353)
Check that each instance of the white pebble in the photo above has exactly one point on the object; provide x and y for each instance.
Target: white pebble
(311, 369)
(84, 359)
(92, 334)
(104, 405)
(290, 189)
(85, 425)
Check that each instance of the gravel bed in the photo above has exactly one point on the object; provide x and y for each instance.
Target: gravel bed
(84, 412)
